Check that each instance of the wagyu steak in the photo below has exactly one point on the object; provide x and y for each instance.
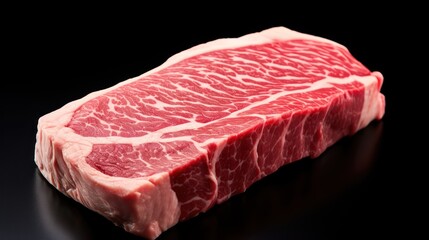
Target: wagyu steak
(205, 125)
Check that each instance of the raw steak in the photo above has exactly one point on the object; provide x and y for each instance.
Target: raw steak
(169, 144)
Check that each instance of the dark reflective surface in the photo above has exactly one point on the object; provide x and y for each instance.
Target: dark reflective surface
(369, 185)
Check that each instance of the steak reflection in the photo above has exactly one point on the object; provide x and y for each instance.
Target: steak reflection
(272, 207)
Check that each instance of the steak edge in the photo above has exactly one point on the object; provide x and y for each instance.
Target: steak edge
(169, 144)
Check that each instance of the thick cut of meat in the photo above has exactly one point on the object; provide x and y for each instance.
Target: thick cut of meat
(205, 125)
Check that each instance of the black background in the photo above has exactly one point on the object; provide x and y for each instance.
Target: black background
(368, 185)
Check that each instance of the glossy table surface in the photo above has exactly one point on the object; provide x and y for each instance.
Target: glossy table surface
(366, 185)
